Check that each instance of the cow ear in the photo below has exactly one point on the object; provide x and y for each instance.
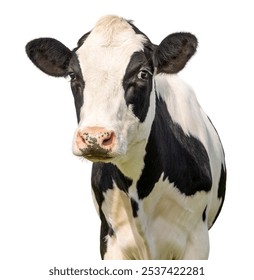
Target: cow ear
(50, 56)
(174, 51)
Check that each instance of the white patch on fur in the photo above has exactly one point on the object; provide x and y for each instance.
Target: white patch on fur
(127, 241)
(180, 217)
(95, 203)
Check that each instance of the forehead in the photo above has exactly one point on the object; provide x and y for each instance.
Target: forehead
(109, 46)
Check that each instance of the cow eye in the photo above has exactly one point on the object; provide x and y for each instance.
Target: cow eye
(143, 74)
(72, 76)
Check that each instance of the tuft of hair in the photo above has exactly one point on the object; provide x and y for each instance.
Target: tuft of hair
(112, 27)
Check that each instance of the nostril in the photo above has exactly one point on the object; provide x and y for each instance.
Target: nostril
(108, 139)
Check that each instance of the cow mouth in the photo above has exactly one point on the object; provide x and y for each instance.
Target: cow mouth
(96, 158)
(95, 153)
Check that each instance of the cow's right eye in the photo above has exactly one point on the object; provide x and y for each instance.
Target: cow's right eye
(144, 74)
(72, 76)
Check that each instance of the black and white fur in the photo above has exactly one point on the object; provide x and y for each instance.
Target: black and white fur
(159, 174)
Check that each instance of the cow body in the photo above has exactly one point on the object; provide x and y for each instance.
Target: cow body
(159, 174)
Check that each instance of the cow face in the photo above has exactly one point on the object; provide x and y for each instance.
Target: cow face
(112, 79)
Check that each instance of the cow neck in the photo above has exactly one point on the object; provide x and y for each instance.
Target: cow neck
(132, 164)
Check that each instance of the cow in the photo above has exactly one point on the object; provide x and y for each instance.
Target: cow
(158, 176)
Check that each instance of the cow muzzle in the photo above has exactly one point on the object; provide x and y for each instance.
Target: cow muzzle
(96, 143)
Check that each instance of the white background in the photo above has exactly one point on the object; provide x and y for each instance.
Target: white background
(46, 211)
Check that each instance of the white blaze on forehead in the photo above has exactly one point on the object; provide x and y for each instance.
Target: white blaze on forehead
(103, 58)
(107, 50)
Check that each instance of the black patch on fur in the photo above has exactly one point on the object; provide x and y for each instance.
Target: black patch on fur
(135, 207)
(138, 87)
(103, 175)
(81, 41)
(222, 182)
(77, 84)
(105, 230)
(137, 31)
(221, 189)
(148, 45)
(204, 214)
(181, 158)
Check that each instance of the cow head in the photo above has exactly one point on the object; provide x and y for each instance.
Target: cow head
(111, 73)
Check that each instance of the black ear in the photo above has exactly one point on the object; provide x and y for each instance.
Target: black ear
(174, 51)
(50, 56)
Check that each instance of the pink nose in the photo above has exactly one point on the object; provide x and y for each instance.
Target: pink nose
(95, 141)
